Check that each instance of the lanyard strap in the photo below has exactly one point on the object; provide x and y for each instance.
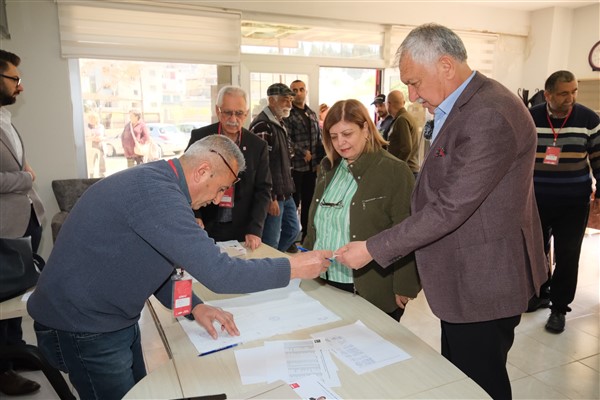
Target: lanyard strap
(172, 164)
(555, 133)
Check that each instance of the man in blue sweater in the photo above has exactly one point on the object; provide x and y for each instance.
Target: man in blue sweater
(568, 137)
(120, 245)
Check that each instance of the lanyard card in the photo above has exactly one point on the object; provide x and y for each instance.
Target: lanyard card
(552, 155)
(227, 199)
(182, 294)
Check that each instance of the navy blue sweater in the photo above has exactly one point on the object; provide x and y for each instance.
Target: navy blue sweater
(118, 247)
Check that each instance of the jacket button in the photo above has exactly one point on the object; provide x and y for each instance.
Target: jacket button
(353, 203)
(353, 236)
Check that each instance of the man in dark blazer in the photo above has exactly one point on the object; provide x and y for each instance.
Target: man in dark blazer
(242, 212)
(21, 210)
(474, 225)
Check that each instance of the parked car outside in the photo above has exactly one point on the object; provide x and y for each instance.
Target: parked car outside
(113, 146)
(187, 127)
(168, 137)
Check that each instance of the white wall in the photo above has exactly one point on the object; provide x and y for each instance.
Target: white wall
(44, 111)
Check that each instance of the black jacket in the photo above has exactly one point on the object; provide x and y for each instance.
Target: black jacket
(252, 193)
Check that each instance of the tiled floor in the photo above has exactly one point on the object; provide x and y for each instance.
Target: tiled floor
(541, 365)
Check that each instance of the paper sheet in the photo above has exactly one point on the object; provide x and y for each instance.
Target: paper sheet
(261, 315)
(360, 348)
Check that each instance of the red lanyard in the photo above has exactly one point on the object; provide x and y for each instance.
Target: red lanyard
(173, 166)
(552, 126)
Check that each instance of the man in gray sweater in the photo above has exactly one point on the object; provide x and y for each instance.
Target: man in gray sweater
(121, 244)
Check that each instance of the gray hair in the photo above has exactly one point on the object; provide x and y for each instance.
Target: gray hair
(558, 76)
(427, 43)
(233, 91)
(203, 149)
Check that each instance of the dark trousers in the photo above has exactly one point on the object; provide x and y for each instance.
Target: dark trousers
(566, 224)
(100, 365)
(10, 329)
(305, 188)
(480, 350)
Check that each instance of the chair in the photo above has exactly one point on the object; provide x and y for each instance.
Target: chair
(32, 354)
(67, 192)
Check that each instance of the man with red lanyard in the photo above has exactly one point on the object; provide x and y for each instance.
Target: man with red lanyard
(243, 209)
(568, 137)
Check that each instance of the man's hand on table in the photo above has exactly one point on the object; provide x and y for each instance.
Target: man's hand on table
(205, 315)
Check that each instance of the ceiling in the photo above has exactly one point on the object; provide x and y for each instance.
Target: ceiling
(533, 5)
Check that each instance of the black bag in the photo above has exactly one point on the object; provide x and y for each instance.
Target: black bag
(18, 264)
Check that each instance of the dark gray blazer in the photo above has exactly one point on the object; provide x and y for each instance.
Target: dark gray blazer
(16, 191)
(474, 224)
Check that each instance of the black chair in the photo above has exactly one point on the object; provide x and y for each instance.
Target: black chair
(32, 355)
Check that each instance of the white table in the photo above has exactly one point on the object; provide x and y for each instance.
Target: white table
(425, 375)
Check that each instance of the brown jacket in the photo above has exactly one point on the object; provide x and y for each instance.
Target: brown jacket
(382, 199)
(474, 224)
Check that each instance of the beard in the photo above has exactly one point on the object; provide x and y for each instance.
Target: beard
(285, 112)
(6, 98)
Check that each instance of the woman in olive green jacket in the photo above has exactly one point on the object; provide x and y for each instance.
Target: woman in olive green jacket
(361, 190)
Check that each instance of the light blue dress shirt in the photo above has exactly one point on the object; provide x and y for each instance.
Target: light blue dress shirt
(442, 111)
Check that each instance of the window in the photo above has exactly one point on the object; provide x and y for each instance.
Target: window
(169, 94)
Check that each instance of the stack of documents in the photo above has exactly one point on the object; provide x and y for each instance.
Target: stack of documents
(288, 360)
(360, 348)
(261, 315)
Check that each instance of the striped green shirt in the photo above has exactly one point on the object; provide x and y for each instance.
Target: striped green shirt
(332, 220)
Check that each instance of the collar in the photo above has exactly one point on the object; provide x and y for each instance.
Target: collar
(441, 112)
(359, 166)
(554, 116)
(272, 117)
(400, 111)
(175, 165)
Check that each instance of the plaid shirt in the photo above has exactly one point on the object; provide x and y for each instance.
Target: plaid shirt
(305, 134)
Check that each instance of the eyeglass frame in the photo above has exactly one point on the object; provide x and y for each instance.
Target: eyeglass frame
(16, 79)
(237, 178)
(326, 204)
(231, 113)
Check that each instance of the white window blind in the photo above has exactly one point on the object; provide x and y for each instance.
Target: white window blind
(480, 48)
(140, 30)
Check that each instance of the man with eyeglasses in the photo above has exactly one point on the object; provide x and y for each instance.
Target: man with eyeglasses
(123, 242)
(243, 208)
(281, 226)
(21, 211)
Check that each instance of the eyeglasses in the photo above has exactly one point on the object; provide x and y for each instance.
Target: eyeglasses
(17, 79)
(231, 113)
(332, 205)
(237, 178)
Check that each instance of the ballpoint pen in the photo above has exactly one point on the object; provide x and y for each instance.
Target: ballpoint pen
(302, 249)
(216, 350)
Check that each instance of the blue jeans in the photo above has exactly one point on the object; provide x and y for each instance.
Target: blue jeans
(281, 231)
(100, 365)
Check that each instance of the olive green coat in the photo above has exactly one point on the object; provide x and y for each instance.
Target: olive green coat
(382, 200)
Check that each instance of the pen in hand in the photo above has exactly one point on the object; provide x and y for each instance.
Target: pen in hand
(304, 250)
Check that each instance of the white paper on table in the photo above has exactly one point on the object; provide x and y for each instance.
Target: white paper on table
(252, 364)
(259, 316)
(360, 348)
(310, 387)
(293, 359)
(232, 247)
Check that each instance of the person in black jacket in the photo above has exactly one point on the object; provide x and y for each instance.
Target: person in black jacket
(243, 209)
(282, 225)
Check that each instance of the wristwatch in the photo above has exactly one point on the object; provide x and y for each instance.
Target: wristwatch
(594, 57)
